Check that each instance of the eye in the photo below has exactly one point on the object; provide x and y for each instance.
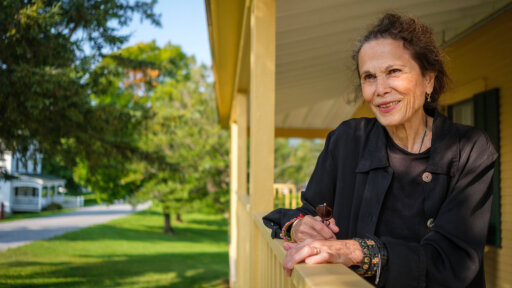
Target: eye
(394, 70)
(367, 77)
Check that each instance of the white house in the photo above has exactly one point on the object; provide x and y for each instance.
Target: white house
(31, 191)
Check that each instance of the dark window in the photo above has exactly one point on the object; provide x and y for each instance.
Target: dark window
(483, 111)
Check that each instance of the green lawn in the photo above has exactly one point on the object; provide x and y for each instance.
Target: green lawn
(128, 252)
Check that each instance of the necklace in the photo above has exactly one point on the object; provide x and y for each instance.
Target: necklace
(424, 134)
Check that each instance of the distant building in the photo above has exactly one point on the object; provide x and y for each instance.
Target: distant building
(31, 191)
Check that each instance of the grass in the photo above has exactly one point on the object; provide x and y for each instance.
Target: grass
(128, 252)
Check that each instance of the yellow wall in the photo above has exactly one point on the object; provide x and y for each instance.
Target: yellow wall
(363, 111)
(480, 61)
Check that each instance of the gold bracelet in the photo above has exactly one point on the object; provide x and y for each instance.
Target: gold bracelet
(291, 230)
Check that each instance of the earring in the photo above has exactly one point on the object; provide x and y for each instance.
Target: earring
(428, 97)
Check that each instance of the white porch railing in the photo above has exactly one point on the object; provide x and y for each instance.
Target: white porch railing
(26, 200)
(68, 201)
(31, 203)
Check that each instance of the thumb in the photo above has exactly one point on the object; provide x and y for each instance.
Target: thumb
(333, 227)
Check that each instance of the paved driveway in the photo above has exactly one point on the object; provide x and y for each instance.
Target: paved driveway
(21, 232)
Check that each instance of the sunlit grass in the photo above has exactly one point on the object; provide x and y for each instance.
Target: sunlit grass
(128, 252)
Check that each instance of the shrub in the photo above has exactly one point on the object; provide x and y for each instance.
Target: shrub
(53, 207)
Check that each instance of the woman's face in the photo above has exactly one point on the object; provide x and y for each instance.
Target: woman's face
(392, 82)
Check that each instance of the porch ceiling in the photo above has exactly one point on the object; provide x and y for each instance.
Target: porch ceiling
(314, 69)
(315, 73)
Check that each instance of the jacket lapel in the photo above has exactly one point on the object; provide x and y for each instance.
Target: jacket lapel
(442, 164)
(373, 196)
(445, 149)
(374, 164)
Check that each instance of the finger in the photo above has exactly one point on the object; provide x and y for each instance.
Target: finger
(303, 229)
(288, 272)
(312, 228)
(298, 254)
(310, 231)
(325, 232)
(322, 257)
(333, 227)
(304, 252)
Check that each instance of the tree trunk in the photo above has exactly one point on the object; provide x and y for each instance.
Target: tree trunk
(178, 218)
(167, 223)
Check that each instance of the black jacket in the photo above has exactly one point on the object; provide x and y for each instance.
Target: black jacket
(352, 175)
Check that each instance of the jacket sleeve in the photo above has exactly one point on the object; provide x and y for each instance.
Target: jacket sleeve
(450, 254)
(320, 189)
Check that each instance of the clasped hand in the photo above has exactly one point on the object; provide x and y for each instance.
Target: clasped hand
(316, 244)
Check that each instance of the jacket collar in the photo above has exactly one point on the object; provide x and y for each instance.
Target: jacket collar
(443, 154)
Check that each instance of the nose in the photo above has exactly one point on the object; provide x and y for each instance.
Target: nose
(382, 86)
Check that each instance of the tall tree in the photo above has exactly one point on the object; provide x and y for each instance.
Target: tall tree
(185, 128)
(181, 131)
(126, 80)
(295, 159)
(47, 51)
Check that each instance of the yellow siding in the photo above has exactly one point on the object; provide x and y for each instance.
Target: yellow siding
(477, 62)
(363, 111)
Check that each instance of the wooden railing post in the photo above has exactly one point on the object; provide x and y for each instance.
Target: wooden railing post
(238, 183)
(262, 105)
(233, 200)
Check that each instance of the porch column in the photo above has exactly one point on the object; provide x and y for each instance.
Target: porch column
(238, 181)
(262, 110)
(39, 197)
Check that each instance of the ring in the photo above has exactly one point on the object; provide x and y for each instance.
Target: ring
(316, 251)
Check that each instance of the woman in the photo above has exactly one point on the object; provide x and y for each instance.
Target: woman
(408, 189)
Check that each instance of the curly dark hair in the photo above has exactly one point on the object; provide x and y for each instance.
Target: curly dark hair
(418, 39)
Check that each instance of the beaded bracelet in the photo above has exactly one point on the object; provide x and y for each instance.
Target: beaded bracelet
(287, 235)
(371, 262)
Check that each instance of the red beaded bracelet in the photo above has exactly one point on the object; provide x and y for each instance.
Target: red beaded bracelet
(287, 236)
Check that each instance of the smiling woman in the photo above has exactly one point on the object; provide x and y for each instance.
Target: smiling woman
(395, 89)
(408, 189)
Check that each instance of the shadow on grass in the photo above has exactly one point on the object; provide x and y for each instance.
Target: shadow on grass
(215, 223)
(150, 233)
(151, 212)
(165, 270)
(149, 228)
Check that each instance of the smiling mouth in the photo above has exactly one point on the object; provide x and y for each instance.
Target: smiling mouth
(387, 105)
